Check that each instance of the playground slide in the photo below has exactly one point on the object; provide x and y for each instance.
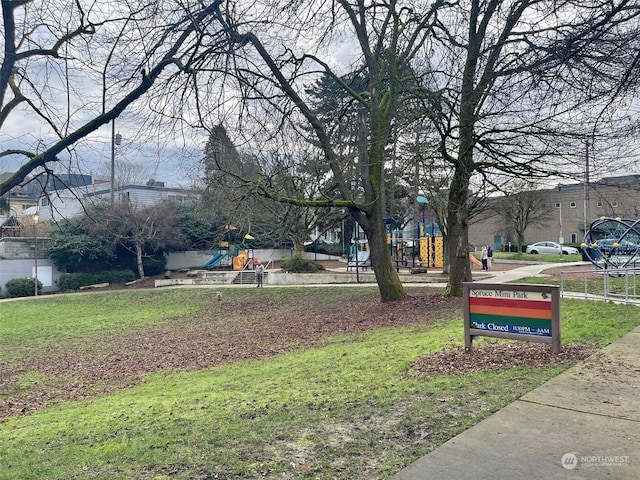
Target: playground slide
(362, 259)
(474, 260)
(215, 261)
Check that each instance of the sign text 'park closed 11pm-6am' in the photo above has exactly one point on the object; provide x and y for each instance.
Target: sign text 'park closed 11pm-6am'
(519, 312)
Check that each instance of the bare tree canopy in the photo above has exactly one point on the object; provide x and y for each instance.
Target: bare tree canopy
(502, 89)
(522, 207)
(70, 67)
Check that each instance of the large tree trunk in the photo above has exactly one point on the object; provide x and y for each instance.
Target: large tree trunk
(458, 208)
(457, 236)
(389, 284)
(298, 245)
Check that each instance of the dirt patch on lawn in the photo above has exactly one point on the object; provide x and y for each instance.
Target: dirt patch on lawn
(224, 333)
(234, 332)
(497, 357)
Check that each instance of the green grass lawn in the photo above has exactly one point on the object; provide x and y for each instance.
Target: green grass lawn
(345, 406)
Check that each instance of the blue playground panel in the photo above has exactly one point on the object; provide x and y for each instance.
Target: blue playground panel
(215, 261)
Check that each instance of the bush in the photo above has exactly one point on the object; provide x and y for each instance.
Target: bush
(22, 287)
(73, 281)
(154, 265)
(298, 264)
(335, 249)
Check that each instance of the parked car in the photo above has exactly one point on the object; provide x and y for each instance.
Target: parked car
(624, 247)
(551, 247)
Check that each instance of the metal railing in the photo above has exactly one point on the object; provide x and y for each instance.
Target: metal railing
(619, 285)
(248, 270)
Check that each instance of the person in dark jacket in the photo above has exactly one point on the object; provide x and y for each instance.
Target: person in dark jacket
(259, 274)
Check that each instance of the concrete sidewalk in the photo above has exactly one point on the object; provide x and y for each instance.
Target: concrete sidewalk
(582, 424)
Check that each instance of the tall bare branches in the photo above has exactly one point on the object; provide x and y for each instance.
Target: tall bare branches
(103, 58)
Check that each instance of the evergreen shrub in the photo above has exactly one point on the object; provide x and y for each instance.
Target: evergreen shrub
(298, 264)
(22, 287)
(73, 281)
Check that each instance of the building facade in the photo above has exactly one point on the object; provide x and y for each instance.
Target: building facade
(70, 202)
(572, 208)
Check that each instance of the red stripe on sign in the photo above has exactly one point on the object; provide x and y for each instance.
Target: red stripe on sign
(511, 311)
(509, 302)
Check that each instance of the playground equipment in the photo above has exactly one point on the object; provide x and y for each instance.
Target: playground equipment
(360, 260)
(229, 257)
(612, 243)
(359, 255)
(474, 260)
(215, 261)
(432, 251)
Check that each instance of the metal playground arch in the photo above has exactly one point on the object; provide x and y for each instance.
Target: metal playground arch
(612, 245)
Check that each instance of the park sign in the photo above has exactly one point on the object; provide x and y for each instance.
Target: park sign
(514, 311)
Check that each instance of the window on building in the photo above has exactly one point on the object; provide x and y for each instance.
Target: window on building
(599, 204)
(574, 238)
(177, 198)
(614, 203)
(572, 204)
(557, 204)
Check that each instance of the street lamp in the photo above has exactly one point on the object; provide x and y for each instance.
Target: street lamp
(354, 186)
(36, 218)
(422, 200)
(116, 139)
(344, 251)
(561, 238)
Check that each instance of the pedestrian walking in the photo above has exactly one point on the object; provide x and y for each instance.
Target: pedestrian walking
(489, 256)
(484, 258)
(259, 274)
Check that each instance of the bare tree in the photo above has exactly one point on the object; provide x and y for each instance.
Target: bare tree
(71, 66)
(271, 77)
(520, 209)
(142, 230)
(127, 173)
(505, 88)
(232, 180)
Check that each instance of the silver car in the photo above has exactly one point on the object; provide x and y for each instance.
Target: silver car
(551, 247)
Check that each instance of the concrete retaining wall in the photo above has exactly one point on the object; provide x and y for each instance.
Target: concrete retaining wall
(282, 278)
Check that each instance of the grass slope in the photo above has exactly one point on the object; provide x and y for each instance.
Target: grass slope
(346, 407)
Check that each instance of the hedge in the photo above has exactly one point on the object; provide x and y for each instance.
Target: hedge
(298, 264)
(73, 281)
(22, 287)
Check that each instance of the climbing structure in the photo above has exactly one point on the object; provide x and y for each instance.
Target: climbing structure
(612, 242)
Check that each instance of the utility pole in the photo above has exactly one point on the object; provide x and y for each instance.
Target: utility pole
(116, 139)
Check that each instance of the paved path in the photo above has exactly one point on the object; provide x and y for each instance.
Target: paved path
(583, 424)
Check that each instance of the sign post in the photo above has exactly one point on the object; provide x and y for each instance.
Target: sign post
(514, 311)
